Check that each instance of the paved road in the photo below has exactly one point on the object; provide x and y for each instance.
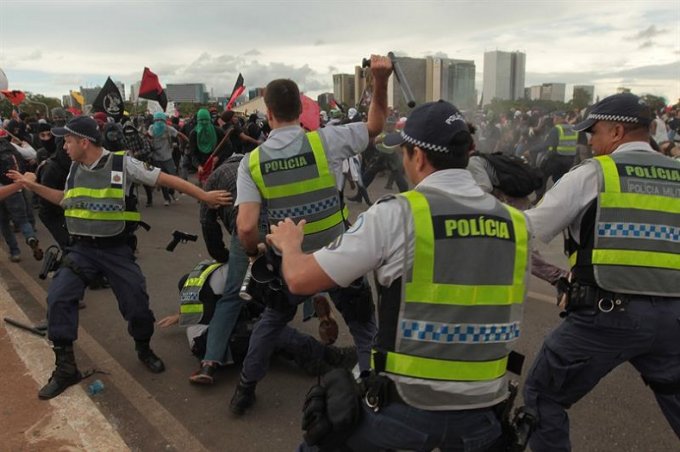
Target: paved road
(165, 412)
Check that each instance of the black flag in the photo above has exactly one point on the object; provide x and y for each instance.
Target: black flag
(151, 88)
(236, 92)
(110, 101)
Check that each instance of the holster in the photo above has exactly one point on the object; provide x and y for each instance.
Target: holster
(584, 297)
(379, 391)
(357, 301)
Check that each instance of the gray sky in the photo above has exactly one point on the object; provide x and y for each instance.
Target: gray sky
(50, 47)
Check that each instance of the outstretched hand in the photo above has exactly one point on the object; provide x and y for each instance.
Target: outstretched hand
(22, 179)
(286, 235)
(217, 198)
(168, 321)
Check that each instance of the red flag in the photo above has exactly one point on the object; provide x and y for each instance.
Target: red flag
(74, 111)
(239, 87)
(309, 118)
(151, 88)
(14, 96)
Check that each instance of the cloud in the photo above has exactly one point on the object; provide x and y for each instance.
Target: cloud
(253, 52)
(319, 42)
(649, 33)
(646, 45)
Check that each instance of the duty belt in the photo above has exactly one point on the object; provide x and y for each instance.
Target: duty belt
(582, 297)
(101, 242)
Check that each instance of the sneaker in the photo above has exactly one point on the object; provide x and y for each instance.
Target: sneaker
(328, 327)
(204, 375)
(149, 204)
(244, 398)
(166, 203)
(15, 258)
(35, 246)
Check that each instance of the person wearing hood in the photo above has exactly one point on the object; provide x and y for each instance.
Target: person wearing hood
(205, 139)
(161, 145)
(52, 173)
(46, 142)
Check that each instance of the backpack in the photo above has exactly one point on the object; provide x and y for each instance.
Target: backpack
(516, 177)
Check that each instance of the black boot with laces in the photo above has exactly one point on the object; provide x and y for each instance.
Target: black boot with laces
(66, 373)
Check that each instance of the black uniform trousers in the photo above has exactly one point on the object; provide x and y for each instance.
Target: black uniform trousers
(87, 260)
(590, 344)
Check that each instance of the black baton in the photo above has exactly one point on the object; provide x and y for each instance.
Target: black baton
(399, 75)
(24, 327)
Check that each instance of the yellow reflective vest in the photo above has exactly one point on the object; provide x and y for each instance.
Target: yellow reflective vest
(636, 235)
(447, 337)
(94, 199)
(296, 182)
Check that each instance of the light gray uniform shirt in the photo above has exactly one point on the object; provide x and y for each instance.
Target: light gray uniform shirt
(339, 142)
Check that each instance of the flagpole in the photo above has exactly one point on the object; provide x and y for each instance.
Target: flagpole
(10, 134)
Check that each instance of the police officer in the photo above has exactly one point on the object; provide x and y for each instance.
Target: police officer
(445, 322)
(561, 150)
(100, 215)
(622, 211)
(299, 175)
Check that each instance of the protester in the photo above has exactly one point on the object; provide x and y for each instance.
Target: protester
(207, 140)
(16, 206)
(241, 142)
(100, 216)
(432, 383)
(624, 300)
(278, 187)
(161, 151)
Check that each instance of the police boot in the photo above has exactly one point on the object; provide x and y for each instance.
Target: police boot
(243, 398)
(148, 357)
(340, 357)
(66, 374)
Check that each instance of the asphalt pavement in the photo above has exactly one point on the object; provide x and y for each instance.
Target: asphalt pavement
(152, 412)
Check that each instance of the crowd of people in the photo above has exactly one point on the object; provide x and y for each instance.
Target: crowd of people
(451, 255)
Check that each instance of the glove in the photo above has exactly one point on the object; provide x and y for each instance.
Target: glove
(562, 285)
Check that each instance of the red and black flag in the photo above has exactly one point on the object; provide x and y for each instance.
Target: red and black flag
(239, 87)
(14, 96)
(151, 88)
(109, 101)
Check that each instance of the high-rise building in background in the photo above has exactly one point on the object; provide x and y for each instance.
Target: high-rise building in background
(414, 70)
(90, 94)
(121, 89)
(504, 74)
(186, 92)
(343, 89)
(451, 80)
(255, 92)
(553, 91)
(362, 78)
(585, 92)
(66, 101)
(134, 91)
(533, 92)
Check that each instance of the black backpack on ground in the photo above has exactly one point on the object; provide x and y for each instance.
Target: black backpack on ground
(516, 177)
